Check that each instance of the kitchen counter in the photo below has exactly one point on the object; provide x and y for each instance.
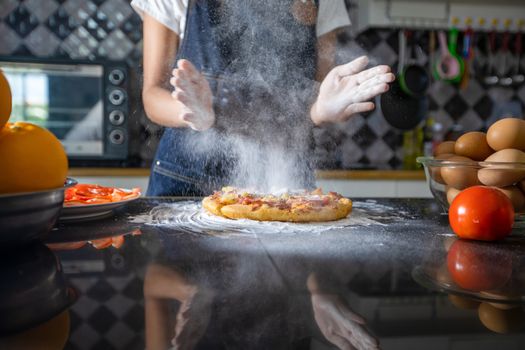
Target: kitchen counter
(379, 275)
(320, 174)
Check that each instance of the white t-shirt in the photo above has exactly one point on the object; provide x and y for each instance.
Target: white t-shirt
(332, 14)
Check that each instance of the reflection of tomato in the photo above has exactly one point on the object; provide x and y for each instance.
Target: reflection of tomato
(478, 266)
(481, 213)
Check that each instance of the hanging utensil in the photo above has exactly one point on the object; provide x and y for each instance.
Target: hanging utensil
(413, 78)
(491, 77)
(518, 78)
(467, 55)
(432, 51)
(448, 66)
(453, 49)
(399, 109)
(504, 73)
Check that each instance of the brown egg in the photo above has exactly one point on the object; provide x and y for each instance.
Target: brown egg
(515, 195)
(460, 176)
(451, 194)
(507, 133)
(503, 175)
(444, 147)
(473, 145)
(435, 171)
(501, 296)
(500, 321)
(462, 302)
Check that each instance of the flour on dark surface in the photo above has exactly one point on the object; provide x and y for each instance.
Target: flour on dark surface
(189, 216)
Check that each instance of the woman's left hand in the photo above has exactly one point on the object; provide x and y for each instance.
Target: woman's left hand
(347, 89)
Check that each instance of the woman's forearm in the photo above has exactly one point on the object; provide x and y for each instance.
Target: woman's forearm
(160, 49)
(162, 108)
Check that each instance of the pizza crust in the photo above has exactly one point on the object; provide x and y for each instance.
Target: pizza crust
(212, 206)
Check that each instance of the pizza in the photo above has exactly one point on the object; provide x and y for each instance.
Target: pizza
(304, 206)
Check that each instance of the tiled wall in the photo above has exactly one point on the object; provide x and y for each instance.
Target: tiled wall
(110, 29)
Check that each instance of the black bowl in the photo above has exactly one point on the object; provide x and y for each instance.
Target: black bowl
(30, 215)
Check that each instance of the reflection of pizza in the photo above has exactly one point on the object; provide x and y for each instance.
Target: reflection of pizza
(312, 206)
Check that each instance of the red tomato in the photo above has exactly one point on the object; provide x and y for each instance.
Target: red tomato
(478, 266)
(481, 213)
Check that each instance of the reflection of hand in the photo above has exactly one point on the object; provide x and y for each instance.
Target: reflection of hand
(192, 320)
(193, 91)
(347, 89)
(339, 324)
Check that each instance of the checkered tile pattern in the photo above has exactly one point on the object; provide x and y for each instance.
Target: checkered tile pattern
(109, 313)
(109, 29)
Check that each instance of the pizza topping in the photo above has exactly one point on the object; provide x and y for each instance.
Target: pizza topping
(96, 194)
(314, 200)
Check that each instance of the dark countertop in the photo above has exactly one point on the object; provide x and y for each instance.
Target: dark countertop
(327, 174)
(267, 286)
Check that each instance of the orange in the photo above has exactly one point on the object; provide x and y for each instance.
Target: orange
(5, 100)
(31, 159)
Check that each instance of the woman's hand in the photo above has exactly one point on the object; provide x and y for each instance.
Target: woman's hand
(193, 92)
(347, 89)
(340, 325)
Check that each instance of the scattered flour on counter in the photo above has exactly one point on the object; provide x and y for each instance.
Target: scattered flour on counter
(189, 216)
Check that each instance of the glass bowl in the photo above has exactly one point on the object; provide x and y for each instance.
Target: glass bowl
(447, 178)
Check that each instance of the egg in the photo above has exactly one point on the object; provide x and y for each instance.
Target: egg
(444, 147)
(507, 133)
(473, 145)
(515, 195)
(503, 175)
(500, 321)
(502, 296)
(435, 171)
(460, 176)
(463, 302)
(451, 194)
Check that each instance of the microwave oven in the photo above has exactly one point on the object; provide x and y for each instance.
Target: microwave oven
(84, 103)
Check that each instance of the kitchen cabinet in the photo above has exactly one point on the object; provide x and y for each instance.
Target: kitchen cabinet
(434, 14)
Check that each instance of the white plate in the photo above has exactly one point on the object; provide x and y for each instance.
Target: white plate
(91, 211)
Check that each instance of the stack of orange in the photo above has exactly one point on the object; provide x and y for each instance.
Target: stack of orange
(31, 157)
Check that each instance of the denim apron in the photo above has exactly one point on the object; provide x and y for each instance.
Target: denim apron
(260, 64)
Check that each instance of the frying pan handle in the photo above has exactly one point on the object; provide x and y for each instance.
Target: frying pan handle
(453, 40)
(402, 51)
(467, 43)
(443, 43)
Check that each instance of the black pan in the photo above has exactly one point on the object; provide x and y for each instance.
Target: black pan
(28, 216)
(402, 111)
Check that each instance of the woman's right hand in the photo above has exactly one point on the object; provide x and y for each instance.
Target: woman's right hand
(192, 90)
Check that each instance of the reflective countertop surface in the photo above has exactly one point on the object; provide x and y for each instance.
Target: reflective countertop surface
(158, 274)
